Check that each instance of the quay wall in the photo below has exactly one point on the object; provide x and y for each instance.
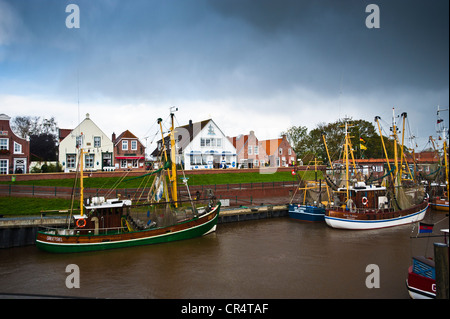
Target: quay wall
(17, 232)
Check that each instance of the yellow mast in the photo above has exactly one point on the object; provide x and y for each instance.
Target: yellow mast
(346, 158)
(173, 177)
(446, 166)
(384, 146)
(81, 181)
(401, 150)
(326, 148)
(394, 132)
(403, 155)
(172, 173)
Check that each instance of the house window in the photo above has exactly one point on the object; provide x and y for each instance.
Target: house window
(211, 142)
(135, 163)
(4, 166)
(280, 151)
(71, 159)
(256, 150)
(17, 148)
(133, 145)
(79, 141)
(4, 145)
(123, 163)
(124, 145)
(97, 141)
(89, 161)
(250, 150)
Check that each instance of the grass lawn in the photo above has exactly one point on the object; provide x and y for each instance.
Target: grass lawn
(132, 182)
(22, 206)
(13, 206)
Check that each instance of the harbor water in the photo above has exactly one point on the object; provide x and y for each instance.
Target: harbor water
(273, 258)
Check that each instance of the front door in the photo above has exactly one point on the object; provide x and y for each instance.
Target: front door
(20, 165)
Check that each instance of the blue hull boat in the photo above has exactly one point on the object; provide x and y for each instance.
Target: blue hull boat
(307, 213)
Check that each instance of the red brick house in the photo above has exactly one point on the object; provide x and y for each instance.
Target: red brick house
(14, 150)
(278, 152)
(129, 152)
(247, 150)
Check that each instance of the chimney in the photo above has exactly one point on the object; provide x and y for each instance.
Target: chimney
(113, 137)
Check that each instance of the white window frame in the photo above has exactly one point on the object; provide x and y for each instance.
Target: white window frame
(250, 150)
(124, 145)
(4, 166)
(17, 148)
(89, 160)
(97, 141)
(71, 160)
(4, 144)
(79, 141)
(134, 145)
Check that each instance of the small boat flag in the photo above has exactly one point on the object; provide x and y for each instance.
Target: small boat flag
(425, 228)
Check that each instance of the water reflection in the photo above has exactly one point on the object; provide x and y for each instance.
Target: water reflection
(273, 258)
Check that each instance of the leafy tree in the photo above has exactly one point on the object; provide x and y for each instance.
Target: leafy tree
(296, 136)
(44, 146)
(43, 135)
(361, 132)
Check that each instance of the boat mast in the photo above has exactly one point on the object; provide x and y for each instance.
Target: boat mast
(326, 148)
(81, 181)
(173, 177)
(172, 173)
(444, 132)
(377, 118)
(346, 158)
(401, 150)
(394, 134)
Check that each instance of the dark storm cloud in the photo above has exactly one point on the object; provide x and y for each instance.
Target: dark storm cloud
(316, 60)
(410, 49)
(221, 48)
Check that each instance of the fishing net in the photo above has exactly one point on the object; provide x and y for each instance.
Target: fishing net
(408, 196)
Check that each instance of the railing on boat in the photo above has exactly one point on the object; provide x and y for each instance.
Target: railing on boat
(84, 231)
(378, 211)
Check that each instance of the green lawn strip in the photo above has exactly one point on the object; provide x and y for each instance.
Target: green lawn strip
(193, 179)
(33, 206)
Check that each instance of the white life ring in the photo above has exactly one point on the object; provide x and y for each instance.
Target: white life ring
(365, 201)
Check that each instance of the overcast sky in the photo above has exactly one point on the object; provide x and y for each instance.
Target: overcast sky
(261, 65)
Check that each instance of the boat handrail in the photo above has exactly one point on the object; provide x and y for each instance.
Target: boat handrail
(86, 231)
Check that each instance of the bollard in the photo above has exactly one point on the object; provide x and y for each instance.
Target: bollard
(441, 262)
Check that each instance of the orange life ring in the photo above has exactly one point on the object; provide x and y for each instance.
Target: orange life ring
(364, 201)
(81, 222)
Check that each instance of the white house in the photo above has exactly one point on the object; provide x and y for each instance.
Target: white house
(202, 145)
(90, 137)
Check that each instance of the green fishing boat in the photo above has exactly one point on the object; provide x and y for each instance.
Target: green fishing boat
(118, 223)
